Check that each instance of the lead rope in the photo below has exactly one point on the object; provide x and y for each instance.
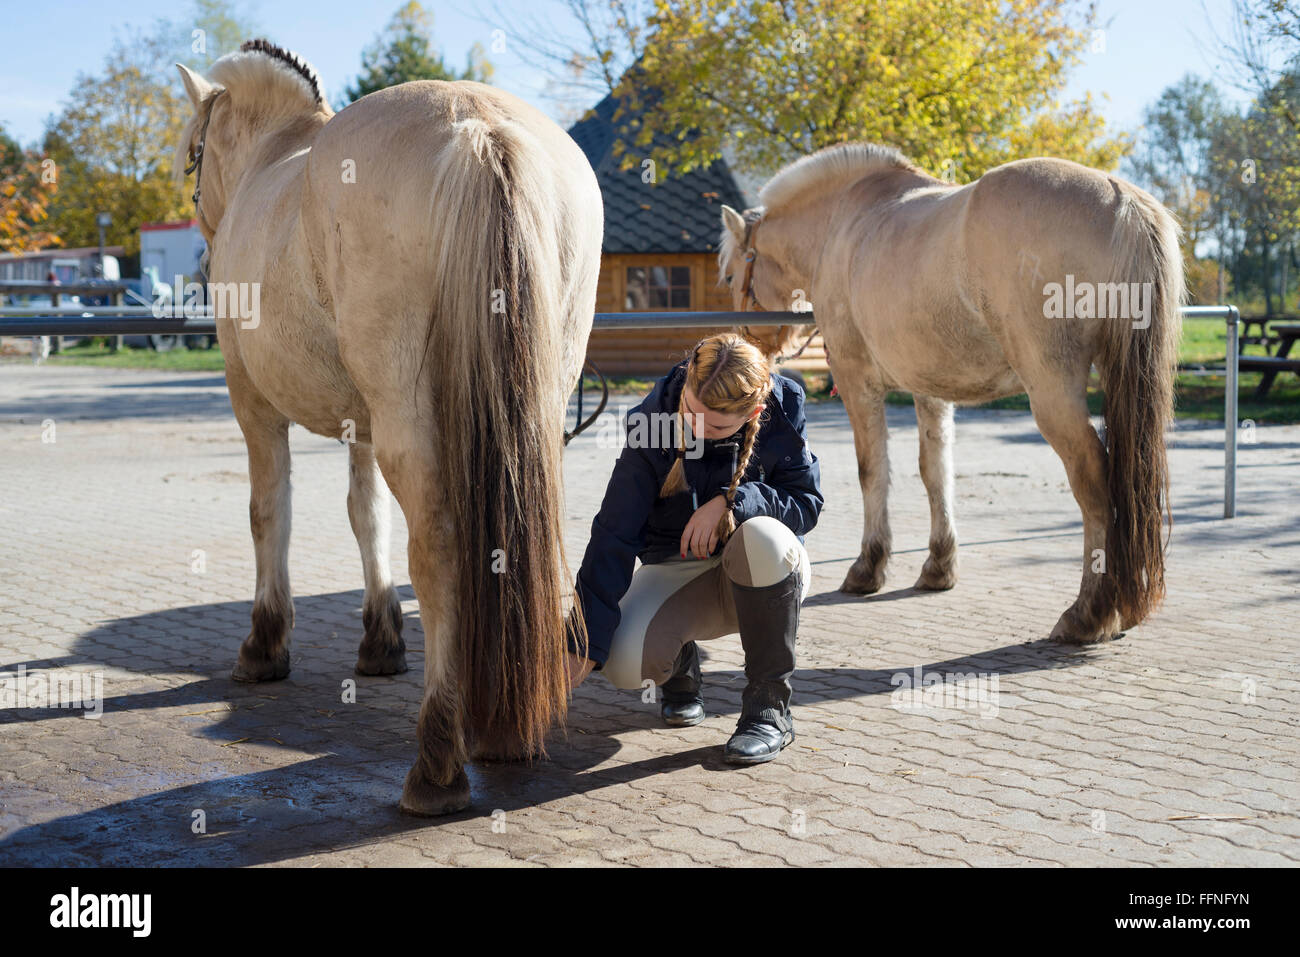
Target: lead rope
(604, 400)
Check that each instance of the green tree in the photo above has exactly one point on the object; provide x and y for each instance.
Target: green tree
(113, 141)
(1255, 161)
(1264, 49)
(404, 51)
(26, 186)
(1174, 159)
(211, 29)
(112, 148)
(958, 87)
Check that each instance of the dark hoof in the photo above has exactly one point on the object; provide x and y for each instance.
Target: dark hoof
(484, 756)
(936, 579)
(252, 668)
(862, 580)
(392, 663)
(382, 651)
(422, 798)
(489, 751)
(1071, 629)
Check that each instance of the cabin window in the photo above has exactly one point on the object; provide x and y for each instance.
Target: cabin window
(657, 287)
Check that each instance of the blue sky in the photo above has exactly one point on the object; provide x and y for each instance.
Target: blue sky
(1149, 44)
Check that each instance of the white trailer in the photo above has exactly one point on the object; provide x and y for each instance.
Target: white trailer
(170, 252)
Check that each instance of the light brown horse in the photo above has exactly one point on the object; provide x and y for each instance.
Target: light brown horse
(424, 269)
(1017, 282)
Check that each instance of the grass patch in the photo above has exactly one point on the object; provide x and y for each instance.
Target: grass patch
(177, 360)
(1198, 395)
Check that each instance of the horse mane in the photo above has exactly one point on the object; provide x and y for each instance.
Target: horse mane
(277, 79)
(827, 168)
(272, 81)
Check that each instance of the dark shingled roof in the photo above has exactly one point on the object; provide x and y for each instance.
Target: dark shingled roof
(677, 214)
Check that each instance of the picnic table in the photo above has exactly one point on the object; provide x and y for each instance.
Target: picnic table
(1286, 335)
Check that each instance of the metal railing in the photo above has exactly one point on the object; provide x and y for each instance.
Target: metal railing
(129, 320)
(1232, 318)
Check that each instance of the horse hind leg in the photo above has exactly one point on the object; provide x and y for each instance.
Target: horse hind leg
(382, 651)
(436, 783)
(1062, 417)
(264, 654)
(935, 430)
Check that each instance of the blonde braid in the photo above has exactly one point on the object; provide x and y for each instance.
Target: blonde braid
(676, 480)
(727, 524)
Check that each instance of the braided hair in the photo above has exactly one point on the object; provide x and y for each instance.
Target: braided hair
(727, 374)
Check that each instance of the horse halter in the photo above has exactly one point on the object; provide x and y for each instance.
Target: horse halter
(196, 164)
(750, 255)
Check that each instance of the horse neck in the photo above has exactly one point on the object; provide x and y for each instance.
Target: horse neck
(813, 223)
(259, 145)
(802, 232)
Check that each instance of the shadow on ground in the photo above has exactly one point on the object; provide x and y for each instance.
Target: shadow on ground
(344, 793)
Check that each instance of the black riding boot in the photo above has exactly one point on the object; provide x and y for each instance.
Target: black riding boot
(683, 705)
(769, 624)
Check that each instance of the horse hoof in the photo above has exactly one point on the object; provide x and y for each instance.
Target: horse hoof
(252, 669)
(382, 650)
(936, 579)
(422, 798)
(862, 582)
(393, 663)
(1070, 630)
(489, 753)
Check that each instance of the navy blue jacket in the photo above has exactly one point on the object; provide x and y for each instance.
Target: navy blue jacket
(783, 481)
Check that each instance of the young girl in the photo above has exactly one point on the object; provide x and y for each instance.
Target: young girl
(717, 515)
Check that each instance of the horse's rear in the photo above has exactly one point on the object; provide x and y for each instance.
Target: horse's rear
(428, 261)
(963, 294)
(461, 269)
(971, 294)
(1076, 268)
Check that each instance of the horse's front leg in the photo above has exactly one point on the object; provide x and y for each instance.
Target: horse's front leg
(382, 652)
(934, 426)
(866, 409)
(264, 655)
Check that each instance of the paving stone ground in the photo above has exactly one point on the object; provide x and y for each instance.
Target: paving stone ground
(1176, 745)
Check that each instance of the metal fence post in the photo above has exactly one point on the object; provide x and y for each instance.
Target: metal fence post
(1230, 417)
(115, 342)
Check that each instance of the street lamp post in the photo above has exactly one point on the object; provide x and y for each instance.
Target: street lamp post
(103, 221)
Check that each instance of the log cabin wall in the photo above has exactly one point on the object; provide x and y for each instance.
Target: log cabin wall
(658, 252)
(650, 352)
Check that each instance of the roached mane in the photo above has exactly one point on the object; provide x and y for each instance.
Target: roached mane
(827, 168)
(291, 60)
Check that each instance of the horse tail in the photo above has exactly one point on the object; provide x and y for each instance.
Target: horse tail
(1137, 362)
(497, 338)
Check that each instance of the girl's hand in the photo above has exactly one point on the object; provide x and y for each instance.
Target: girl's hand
(701, 534)
(579, 668)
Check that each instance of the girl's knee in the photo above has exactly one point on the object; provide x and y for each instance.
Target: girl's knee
(763, 552)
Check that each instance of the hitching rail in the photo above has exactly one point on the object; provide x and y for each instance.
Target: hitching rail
(119, 320)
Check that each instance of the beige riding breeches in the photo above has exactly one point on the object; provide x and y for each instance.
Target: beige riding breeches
(671, 603)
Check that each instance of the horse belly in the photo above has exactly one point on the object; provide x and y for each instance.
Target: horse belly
(295, 366)
(945, 351)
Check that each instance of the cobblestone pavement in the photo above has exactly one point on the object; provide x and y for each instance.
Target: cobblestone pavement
(1176, 745)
